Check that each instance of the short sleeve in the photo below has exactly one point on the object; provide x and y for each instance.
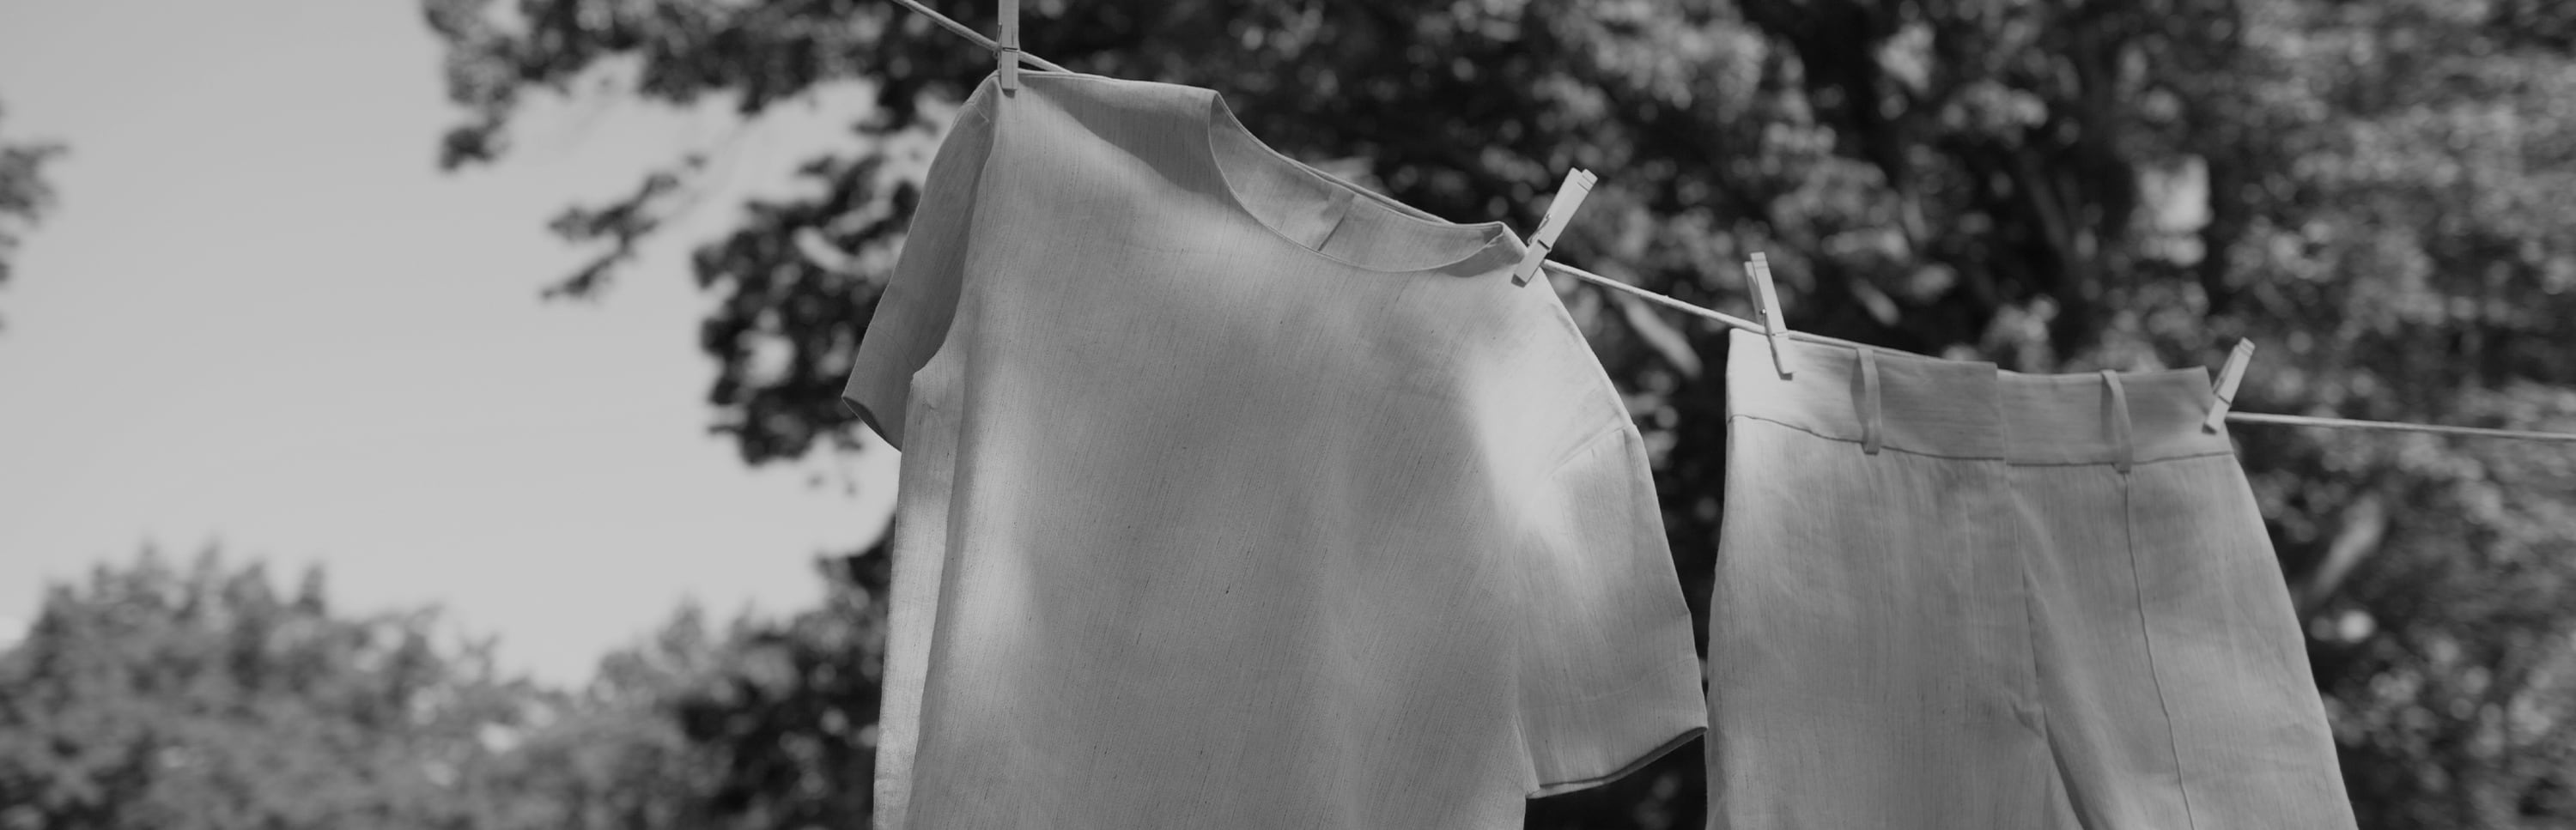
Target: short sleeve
(912, 315)
(1609, 678)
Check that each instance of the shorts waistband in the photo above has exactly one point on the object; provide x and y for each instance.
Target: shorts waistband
(1972, 409)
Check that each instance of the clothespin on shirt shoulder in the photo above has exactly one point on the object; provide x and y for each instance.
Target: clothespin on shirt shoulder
(1569, 196)
(2228, 377)
(1766, 303)
(1006, 48)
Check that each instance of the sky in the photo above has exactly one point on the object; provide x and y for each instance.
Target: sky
(261, 320)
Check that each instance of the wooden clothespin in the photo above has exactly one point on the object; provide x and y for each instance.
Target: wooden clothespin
(2228, 377)
(1006, 48)
(1766, 303)
(1569, 196)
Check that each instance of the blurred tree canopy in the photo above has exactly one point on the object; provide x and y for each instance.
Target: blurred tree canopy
(172, 698)
(156, 696)
(2375, 192)
(24, 195)
(763, 724)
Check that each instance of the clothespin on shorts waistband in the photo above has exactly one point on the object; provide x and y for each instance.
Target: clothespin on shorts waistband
(2228, 377)
(1006, 48)
(1569, 196)
(1766, 301)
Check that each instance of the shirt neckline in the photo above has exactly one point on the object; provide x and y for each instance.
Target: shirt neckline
(1498, 251)
(1500, 248)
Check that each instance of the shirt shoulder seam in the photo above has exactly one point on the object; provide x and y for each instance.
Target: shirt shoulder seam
(1615, 427)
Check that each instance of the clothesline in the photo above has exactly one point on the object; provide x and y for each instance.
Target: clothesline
(1732, 321)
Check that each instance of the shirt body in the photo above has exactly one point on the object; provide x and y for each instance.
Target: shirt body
(1234, 495)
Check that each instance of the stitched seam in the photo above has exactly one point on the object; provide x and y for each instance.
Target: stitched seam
(1885, 448)
(1586, 444)
(1520, 715)
(2038, 688)
(2137, 587)
(973, 105)
(1633, 765)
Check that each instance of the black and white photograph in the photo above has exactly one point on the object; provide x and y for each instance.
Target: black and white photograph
(1288, 415)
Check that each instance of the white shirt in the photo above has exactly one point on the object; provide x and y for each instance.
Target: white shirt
(1236, 497)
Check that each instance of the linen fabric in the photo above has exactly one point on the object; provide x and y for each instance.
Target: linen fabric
(1236, 496)
(1954, 597)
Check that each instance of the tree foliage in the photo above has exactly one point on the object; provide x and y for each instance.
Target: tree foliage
(766, 723)
(24, 195)
(171, 698)
(155, 696)
(2373, 191)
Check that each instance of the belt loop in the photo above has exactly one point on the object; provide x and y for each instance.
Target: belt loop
(2128, 451)
(1872, 431)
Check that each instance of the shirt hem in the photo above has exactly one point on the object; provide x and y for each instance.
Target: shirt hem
(1633, 765)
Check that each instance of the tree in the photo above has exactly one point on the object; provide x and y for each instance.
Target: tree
(2370, 190)
(169, 698)
(2405, 246)
(787, 716)
(24, 195)
(766, 724)
(161, 697)
(614, 755)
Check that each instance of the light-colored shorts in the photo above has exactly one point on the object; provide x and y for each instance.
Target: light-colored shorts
(1949, 596)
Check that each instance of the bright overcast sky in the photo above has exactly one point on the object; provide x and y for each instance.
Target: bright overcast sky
(261, 318)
